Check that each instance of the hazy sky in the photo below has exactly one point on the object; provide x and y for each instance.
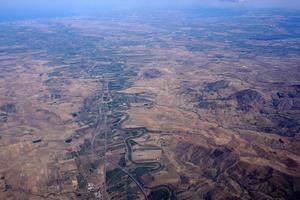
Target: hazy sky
(71, 4)
(25, 8)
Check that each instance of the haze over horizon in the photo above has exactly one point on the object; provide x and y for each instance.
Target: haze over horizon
(31, 8)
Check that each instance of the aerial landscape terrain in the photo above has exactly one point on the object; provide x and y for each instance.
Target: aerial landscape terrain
(158, 105)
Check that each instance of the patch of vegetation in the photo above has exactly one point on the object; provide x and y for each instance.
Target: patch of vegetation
(140, 171)
(114, 175)
(159, 194)
(132, 142)
(85, 148)
(122, 161)
(135, 131)
(9, 108)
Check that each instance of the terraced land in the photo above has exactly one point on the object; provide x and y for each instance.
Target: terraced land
(177, 105)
